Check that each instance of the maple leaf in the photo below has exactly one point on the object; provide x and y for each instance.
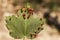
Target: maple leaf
(19, 26)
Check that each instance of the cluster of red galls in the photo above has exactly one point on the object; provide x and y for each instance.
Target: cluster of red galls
(27, 12)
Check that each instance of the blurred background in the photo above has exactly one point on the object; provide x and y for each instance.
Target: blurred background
(48, 9)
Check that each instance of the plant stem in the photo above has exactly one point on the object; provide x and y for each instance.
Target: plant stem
(31, 39)
(24, 38)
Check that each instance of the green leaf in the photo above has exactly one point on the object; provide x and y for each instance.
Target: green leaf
(20, 26)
